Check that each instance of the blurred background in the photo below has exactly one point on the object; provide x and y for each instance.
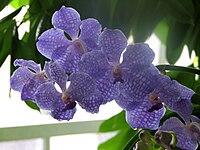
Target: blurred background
(171, 28)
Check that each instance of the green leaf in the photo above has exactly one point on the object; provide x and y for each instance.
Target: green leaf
(19, 3)
(161, 31)
(10, 16)
(116, 122)
(181, 10)
(175, 41)
(132, 141)
(147, 15)
(118, 141)
(3, 3)
(32, 105)
(6, 44)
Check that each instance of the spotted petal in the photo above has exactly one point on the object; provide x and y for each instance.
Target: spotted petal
(61, 114)
(185, 139)
(50, 40)
(56, 74)
(81, 86)
(47, 97)
(28, 63)
(68, 58)
(95, 64)
(29, 89)
(138, 56)
(19, 78)
(106, 86)
(126, 103)
(112, 42)
(92, 103)
(67, 19)
(140, 117)
(90, 31)
(139, 84)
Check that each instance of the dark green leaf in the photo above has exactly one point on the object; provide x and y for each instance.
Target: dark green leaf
(116, 122)
(6, 44)
(132, 141)
(3, 3)
(147, 16)
(181, 10)
(10, 16)
(175, 41)
(119, 140)
(161, 31)
(32, 105)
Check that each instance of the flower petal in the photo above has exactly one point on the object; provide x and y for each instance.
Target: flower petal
(28, 63)
(106, 86)
(140, 117)
(92, 103)
(95, 64)
(139, 84)
(183, 108)
(47, 97)
(29, 89)
(185, 139)
(19, 78)
(50, 40)
(61, 114)
(137, 56)
(90, 31)
(56, 74)
(112, 42)
(67, 19)
(81, 86)
(125, 102)
(68, 58)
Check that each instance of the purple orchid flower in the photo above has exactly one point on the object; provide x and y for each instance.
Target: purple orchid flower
(145, 94)
(105, 67)
(187, 134)
(54, 45)
(82, 89)
(27, 78)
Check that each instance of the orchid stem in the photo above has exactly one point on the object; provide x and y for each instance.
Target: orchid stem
(178, 68)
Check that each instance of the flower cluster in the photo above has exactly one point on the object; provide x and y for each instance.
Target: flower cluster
(97, 76)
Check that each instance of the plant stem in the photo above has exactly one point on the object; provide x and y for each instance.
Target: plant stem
(178, 68)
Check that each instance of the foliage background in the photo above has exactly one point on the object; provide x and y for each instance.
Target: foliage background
(175, 22)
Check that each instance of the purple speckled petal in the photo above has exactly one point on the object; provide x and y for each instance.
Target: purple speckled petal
(50, 40)
(141, 118)
(29, 89)
(56, 74)
(28, 63)
(90, 31)
(92, 103)
(125, 103)
(68, 58)
(137, 56)
(185, 139)
(67, 19)
(95, 64)
(19, 78)
(183, 108)
(47, 97)
(112, 42)
(61, 114)
(139, 84)
(81, 86)
(109, 90)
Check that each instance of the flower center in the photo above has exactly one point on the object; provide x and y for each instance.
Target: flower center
(117, 74)
(69, 102)
(155, 101)
(80, 46)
